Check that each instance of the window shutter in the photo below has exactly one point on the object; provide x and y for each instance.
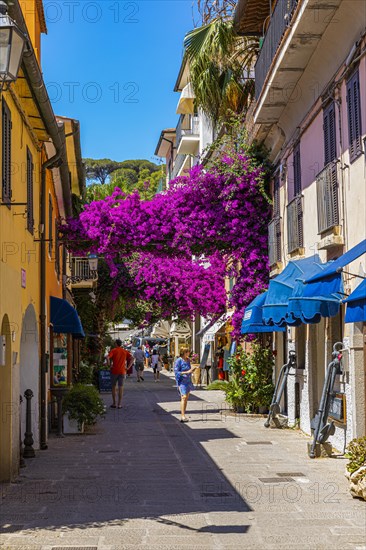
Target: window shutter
(57, 251)
(50, 225)
(297, 170)
(276, 198)
(330, 136)
(6, 152)
(30, 219)
(354, 116)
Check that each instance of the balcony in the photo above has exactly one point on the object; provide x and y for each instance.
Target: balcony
(280, 21)
(80, 274)
(327, 198)
(274, 241)
(182, 164)
(296, 27)
(295, 235)
(187, 135)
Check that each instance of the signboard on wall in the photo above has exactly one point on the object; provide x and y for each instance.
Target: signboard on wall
(337, 409)
(59, 360)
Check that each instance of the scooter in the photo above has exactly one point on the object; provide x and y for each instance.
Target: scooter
(322, 429)
(275, 408)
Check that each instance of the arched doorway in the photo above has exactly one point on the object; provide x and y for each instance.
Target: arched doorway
(29, 370)
(6, 410)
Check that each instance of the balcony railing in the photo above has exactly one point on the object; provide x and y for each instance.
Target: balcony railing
(274, 241)
(280, 21)
(81, 272)
(188, 125)
(295, 234)
(327, 197)
(178, 163)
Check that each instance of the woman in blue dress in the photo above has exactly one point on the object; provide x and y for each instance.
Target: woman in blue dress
(183, 371)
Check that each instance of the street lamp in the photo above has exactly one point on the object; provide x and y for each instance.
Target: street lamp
(93, 262)
(82, 269)
(12, 41)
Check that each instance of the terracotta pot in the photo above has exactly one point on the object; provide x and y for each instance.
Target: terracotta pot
(196, 374)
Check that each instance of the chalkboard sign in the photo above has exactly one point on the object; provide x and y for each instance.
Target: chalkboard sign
(337, 409)
(206, 351)
(104, 381)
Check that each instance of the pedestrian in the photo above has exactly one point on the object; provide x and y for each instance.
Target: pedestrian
(147, 356)
(183, 371)
(120, 360)
(156, 364)
(139, 363)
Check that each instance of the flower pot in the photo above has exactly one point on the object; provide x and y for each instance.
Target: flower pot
(196, 374)
(72, 426)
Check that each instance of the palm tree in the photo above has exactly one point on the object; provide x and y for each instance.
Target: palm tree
(221, 64)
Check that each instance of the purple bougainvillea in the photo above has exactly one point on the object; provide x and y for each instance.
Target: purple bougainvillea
(179, 247)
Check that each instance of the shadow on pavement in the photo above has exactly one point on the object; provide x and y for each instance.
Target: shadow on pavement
(140, 463)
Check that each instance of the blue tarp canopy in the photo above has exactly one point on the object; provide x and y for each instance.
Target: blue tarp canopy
(287, 284)
(65, 319)
(356, 304)
(340, 262)
(253, 317)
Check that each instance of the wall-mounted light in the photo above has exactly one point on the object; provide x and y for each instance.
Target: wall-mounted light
(12, 42)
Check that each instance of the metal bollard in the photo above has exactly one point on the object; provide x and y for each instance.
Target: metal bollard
(28, 436)
(21, 448)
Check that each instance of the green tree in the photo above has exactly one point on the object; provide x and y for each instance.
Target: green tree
(100, 169)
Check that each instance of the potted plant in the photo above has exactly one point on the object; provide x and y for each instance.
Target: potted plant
(250, 387)
(81, 406)
(356, 467)
(196, 375)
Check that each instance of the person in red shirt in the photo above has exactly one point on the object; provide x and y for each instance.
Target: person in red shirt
(120, 360)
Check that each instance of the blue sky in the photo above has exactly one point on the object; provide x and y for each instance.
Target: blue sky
(112, 65)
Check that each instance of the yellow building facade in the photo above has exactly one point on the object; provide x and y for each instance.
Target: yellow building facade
(35, 194)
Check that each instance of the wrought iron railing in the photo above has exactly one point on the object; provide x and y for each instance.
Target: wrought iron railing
(280, 21)
(274, 241)
(80, 270)
(188, 125)
(295, 235)
(327, 197)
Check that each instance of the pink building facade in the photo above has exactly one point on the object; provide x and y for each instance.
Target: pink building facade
(310, 112)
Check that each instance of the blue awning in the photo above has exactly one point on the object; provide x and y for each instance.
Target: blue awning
(310, 302)
(281, 289)
(356, 304)
(340, 262)
(65, 319)
(253, 317)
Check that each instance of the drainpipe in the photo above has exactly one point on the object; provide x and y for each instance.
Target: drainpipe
(53, 162)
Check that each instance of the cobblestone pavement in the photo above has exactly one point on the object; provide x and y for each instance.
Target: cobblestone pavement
(141, 479)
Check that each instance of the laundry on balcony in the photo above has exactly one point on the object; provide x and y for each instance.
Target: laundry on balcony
(253, 317)
(65, 319)
(356, 304)
(291, 302)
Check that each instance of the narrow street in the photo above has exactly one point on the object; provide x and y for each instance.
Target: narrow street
(141, 479)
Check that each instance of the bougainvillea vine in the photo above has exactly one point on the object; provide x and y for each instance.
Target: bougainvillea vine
(179, 247)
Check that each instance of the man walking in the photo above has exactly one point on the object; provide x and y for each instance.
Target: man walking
(121, 359)
(139, 363)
